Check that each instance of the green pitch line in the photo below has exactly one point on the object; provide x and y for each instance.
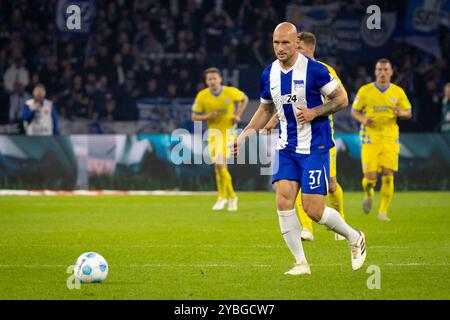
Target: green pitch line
(177, 248)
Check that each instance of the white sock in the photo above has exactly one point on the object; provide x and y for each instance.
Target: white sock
(333, 220)
(291, 229)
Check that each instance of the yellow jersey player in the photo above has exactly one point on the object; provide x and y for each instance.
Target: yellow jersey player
(335, 197)
(216, 105)
(376, 107)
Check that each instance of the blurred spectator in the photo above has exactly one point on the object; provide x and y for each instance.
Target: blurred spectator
(109, 113)
(445, 117)
(216, 26)
(35, 80)
(90, 85)
(430, 108)
(3, 61)
(247, 17)
(141, 67)
(127, 57)
(130, 84)
(73, 58)
(172, 91)
(50, 75)
(92, 66)
(4, 104)
(39, 115)
(104, 61)
(245, 55)
(152, 90)
(152, 48)
(16, 102)
(100, 95)
(117, 75)
(81, 106)
(16, 74)
(186, 86)
(64, 96)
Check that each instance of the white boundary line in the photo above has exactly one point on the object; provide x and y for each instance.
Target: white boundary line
(6, 192)
(167, 246)
(223, 265)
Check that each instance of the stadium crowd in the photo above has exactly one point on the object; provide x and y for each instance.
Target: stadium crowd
(153, 48)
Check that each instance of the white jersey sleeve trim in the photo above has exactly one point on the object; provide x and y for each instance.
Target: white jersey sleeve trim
(266, 101)
(329, 87)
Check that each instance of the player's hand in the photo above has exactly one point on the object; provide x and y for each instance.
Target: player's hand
(236, 119)
(402, 114)
(265, 131)
(399, 113)
(305, 115)
(368, 122)
(212, 114)
(396, 110)
(234, 146)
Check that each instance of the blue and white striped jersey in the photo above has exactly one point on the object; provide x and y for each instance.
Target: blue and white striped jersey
(303, 85)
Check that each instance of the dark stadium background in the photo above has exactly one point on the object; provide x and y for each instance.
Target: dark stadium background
(137, 69)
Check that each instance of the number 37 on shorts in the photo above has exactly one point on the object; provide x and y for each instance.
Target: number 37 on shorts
(315, 177)
(310, 170)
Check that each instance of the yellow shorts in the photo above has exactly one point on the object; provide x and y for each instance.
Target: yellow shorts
(333, 162)
(217, 145)
(375, 157)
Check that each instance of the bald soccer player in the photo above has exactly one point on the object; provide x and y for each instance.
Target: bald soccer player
(293, 85)
(335, 197)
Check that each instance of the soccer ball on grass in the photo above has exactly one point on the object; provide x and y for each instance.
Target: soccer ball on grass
(91, 268)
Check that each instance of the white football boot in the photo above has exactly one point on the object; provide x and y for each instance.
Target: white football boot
(306, 235)
(358, 252)
(220, 204)
(299, 269)
(233, 204)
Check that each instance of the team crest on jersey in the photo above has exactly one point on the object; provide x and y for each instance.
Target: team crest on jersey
(227, 101)
(299, 84)
(393, 100)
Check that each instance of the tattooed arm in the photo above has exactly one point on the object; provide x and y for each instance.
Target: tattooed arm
(337, 100)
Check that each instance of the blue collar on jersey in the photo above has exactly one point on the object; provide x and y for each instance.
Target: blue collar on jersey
(218, 93)
(381, 90)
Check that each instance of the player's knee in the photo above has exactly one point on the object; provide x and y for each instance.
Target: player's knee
(285, 201)
(315, 215)
(313, 211)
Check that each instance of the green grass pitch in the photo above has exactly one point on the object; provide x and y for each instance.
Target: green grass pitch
(175, 247)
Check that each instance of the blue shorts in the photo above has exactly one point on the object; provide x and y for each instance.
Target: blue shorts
(312, 171)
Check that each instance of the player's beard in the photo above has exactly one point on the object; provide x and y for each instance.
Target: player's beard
(283, 58)
(287, 57)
